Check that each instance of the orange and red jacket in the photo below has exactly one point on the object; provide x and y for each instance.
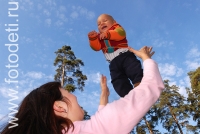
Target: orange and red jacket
(115, 39)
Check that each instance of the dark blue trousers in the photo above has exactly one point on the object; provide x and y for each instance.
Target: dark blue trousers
(124, 70)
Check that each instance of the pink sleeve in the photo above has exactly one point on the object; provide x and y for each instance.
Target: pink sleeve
(100, 107)
(120, 117)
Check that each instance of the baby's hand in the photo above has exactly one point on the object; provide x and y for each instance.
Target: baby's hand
(92, 34)
(103, 36)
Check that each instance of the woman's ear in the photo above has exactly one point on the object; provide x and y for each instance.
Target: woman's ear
(60, 106)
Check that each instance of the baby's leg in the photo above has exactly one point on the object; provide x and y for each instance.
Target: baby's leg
(120, 81)
(133, 69)
(122, 86)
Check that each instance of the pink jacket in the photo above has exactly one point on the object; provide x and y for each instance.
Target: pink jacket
(121, 116)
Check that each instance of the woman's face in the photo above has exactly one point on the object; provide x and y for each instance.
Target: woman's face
(74, 111)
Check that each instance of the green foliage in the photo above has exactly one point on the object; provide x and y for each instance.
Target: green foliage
(68, 69)
(148, 122)
(195, 80)
(86, 116)
(194, 99)
(173, 109)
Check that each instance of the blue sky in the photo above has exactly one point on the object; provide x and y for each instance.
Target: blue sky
(170, 26)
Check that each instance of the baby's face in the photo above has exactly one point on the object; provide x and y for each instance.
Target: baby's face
(104, 22)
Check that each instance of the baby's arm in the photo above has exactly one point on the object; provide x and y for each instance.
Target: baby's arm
(117, 34)
(94, 41)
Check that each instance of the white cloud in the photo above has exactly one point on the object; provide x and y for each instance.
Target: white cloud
(90, 15)
(26, 83)
(50, 2)
(162, 43)
(183, 83)
(48, 22)
(26, 39)
(39, 6)
(89, 100)
(192, 64)
(182, 91)
(4, 91)
(193, 53)
(34, 75)
(161, 56)
(26, 5)
(187, 5)
(62, 17)
(193, 58)
(62, 9)
(81, 11)
(46, 12)
(94, 77)
(42, 65)
(85, 12)
(179, 72)
(59, 23)
(68, 33)
(167, 78)
(172, 83)
(3, 118)
(74, 15)
(170, 70)
(19, 91)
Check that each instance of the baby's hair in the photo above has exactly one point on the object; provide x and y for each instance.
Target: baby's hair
(108, 16)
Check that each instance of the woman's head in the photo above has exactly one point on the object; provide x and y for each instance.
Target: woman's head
(37, 115)
(73, 111)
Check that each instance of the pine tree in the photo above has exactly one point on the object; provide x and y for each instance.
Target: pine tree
(173, 109)
(148, 122)
(194, 99)
(195, 80)
(68, 69)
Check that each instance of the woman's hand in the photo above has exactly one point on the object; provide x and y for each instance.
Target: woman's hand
(144, 53)
(104, 91)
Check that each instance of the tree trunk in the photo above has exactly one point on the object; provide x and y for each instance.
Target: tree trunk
(148, 125)
(62, 80)
(174, 117)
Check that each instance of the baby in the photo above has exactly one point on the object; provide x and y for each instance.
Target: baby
(124, 66)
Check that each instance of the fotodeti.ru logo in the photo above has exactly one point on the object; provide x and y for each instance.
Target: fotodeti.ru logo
(13, 47)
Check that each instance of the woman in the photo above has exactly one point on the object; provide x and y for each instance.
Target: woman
(50, 109)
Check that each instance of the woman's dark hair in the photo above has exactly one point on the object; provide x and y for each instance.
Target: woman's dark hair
(36, 114)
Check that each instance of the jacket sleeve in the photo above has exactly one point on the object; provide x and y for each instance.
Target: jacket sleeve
(117, 34)
(101, 107)
(120, 117)
(94, 43)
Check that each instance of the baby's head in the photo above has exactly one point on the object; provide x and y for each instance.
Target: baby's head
(105, 22)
